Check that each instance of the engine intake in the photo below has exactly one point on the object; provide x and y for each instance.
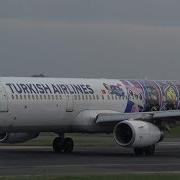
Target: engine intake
(133, 133)
(3, 136)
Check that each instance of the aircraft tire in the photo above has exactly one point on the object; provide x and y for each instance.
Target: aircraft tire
(147, 151)
(58, 145)
(68, 145)
(150, 150)
(138, 151)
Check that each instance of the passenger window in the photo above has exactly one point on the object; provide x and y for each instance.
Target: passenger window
(45, 97)
(79, 97)
(33, 97)
(52, 97)
(140, 97)
(29, 97)
(25, 97)
(49, 97)
(94, 97)
(75, 97)
(108, 97)
(16, 96)
(112, 97)
(20, 96)
(12, 96)
(56, 97)
(41, 97)
(136, 96)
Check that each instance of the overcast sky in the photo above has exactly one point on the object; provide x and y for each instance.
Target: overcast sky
(90, 38)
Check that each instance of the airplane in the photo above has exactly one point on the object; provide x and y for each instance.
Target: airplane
(137, 112)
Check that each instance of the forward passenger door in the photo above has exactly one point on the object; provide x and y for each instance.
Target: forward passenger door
(3, 99)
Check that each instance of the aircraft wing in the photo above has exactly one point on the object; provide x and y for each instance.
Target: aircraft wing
(170, 115)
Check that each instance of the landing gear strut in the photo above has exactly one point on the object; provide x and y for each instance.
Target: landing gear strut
(61, 144)
(147, 151)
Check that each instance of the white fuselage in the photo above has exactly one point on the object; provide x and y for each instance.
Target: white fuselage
(71, 105)
(56, 103)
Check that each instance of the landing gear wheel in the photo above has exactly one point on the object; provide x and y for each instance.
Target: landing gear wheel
(58, 145)
(138, 151)
(68, 145)
(147, 151)
(61, 144)
(150, 150)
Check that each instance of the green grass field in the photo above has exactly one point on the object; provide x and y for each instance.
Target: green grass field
(83, 140)
(174, 133)
(86, 140)
(107, 177)
(89, 139)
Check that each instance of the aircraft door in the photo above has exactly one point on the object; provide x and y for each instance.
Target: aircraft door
(69, 103)
(3, 99)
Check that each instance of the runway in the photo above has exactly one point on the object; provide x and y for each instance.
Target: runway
(25, 160)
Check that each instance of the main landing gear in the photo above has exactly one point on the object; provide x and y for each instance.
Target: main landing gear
(147, 151)
(61, 144)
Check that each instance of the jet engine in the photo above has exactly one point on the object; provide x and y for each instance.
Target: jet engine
(19, 137)
(134, 133)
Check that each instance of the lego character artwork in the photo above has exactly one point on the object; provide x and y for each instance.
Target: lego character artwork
(115, 89)
(177, 84)
(135, 96)
(147, 95)
(153, 95)
(170, 95)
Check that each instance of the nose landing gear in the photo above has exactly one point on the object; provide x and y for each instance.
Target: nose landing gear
(61, 144)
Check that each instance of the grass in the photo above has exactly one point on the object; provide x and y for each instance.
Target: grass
(86, 140)
(174, 133)
(101, 177)
(83, 140)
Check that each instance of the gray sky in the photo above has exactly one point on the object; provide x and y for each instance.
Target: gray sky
(90, 38)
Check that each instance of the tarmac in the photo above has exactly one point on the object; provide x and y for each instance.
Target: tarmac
(33, 160)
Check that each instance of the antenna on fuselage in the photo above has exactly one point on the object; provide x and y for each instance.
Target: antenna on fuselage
(39, 75)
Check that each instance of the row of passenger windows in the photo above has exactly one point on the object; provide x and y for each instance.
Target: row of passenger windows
(97, 97)
(59, 97)
(37, 97)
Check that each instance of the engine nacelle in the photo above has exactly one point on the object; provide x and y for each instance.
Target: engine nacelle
(19, 137)
(133, 133)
